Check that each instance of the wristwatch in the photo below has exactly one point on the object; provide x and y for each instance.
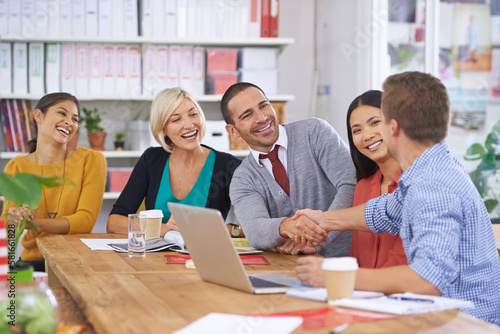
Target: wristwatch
(235, 230)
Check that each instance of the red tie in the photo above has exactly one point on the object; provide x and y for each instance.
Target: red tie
(279, 171)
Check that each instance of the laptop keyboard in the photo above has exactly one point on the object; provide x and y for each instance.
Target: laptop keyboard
(260, 283)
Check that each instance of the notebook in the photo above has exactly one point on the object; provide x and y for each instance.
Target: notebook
(214, 255)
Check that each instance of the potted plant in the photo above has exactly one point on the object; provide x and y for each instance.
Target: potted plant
(119, 141)
(486, 176)
(35, 306)
(95, 132)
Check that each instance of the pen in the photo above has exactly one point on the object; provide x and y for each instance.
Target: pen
(411, 299)
(339, 328)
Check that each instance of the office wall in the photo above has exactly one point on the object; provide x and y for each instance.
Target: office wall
(341, 60)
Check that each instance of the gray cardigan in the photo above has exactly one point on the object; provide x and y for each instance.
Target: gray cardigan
(321, 175)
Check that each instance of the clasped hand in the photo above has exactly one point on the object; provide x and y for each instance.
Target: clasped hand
(307, 227)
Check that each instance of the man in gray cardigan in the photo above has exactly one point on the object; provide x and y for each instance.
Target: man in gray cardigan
(318, 166)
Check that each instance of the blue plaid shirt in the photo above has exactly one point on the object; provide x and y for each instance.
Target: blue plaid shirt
(446, 230)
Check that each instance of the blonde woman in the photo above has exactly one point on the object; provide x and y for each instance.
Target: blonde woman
(182, 170)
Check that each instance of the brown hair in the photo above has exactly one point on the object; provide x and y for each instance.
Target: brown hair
(419, 103)
(44, 104)
(228, 96)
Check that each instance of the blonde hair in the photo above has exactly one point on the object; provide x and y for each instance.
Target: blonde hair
(163, 106)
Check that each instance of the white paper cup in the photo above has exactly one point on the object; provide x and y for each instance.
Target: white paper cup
(340, 276)
(153, 223)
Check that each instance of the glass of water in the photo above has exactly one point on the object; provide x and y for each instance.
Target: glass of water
(136, 235)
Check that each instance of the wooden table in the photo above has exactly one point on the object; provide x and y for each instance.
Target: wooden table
(118, 294)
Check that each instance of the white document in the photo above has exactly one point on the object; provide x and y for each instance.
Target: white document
(255, 19)
(65, 18)
(174, 66)
(5, 68)
(146, 15)
(28, 18)
(91, 18)
(216, 323)
(198, 71)
(405, 303)
(52, 67)
(79, 15)
(320, 294)
(54, 16)
(134, 71)
(182, 15)
(148, 69)
(101, 244)
(121, 54)
(131, 22)
(104, 13)
(14, 17)
(82, 69)
(20, 68)
(161, 69)
(95, 70)
(171, 19)
(118, 18)
(36, 69)
(108, 69)
(68, 68)
(158, 18)
(186, 77)
(41, 17)
(4, 17)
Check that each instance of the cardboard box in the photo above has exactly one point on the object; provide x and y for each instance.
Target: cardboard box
(218, 83)
(267, 80)
(139, 135)
(118, 178)
(259, 58)
(216, 136)
(222, 60)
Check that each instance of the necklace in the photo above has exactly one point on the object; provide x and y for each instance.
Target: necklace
(53, 214)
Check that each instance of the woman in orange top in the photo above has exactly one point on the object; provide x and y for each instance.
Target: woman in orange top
(377, 174)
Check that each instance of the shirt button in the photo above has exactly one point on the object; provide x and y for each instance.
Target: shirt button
(280, 192)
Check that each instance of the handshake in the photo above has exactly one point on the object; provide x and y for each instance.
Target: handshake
(309, 227)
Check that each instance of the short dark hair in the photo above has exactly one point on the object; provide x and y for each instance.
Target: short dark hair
(44, 104)
(365, 166)
(228, 96)
(420, 104)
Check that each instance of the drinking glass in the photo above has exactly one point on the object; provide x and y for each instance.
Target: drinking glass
(136, 235)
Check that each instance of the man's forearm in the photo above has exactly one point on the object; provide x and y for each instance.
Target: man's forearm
(352, 219)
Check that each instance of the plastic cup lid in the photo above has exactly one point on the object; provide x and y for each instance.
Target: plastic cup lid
(340, 263)
(152, 213)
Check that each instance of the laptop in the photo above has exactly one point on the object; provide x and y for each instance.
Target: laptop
(214, 255)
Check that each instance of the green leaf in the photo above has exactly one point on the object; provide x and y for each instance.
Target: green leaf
(490, 204)
(475, 152)
(11, 189)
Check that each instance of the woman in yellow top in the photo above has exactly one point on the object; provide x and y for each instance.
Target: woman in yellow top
(64, 209)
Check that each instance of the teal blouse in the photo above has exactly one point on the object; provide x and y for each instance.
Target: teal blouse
(196, 197)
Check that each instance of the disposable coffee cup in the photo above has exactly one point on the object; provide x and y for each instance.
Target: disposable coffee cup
(153, 223)
(340, 276)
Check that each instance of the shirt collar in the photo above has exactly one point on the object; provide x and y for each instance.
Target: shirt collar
(282, 141)
(422, 160)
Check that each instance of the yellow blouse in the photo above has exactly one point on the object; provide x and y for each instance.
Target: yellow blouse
(80, 205)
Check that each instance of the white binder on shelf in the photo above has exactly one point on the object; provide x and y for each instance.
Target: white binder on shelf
(161, 69)
(5, 68)
(14, 17)
(42, 17)
(52, 67)
(95, 69)
(146, 18)
(82, 69)
(174, 65)
(36, 69)
(186, 73)
(65, 18)
(205, 26)
(28, 18)
(68, 68)
(182, 15)
(131, 21)
(171, 19)
(20, 68)
(191, 19)
(118, 18)
(148, 69)
(78, 18)
(53, 16)
(108, 69)
(104, 14)
(91, 18)
(158, 18)
(134, 71)
(121, 61)
(4, 17)
(254, 19)
(198, 71)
